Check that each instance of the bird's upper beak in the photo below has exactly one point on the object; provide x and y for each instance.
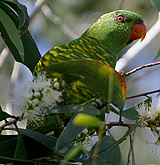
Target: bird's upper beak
(138, 31)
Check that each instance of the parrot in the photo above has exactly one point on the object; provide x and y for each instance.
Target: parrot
(102, 41)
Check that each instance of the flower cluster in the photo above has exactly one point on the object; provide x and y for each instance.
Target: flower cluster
(144, 112)
(36, 95)
(150, 116)
(86, 140)
(89, 142)
(148, 113)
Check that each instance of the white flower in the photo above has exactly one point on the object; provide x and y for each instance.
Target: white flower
(56, 85)
(158, 107)
(35, 102)
(145, 149)
(89, 142)
(153, 112)
(148, 112)
(85, 131)
(156, 110)
(144, 112)
(51, 96)
(35, 96)
(56, 79)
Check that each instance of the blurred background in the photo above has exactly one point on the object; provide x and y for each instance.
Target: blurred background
(55, 22)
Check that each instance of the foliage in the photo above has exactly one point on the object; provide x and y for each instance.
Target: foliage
(66, 144)
(14, 23)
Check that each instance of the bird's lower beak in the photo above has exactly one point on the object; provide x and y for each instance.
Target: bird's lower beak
(138, 31)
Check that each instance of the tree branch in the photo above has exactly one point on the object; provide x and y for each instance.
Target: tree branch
(38, 5)
(111, 124)
(139, 68)
(59, 22)
(121, 4)
(143, 94)
(7, 123)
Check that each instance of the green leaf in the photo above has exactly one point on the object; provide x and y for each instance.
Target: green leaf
(156, 4)
(44, 139)
(68, 134)
(130, 130)
(131, 114)
(7, 148)
(31, 52)
(8, 145)
(45, 128)
(99, 77)
(7, 137)
(36, 149)
(36, 144)
(12, 32)
(106, 157)
(109, 149)
(73, 109)
(158, 55)
(83, 119)
(20, 151)
(21, 10)
(10, 12)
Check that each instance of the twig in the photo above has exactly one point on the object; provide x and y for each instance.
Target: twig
(15, 124)
(38, 5)
(143, 94)
(121, 4)
(139, 68)
(129, 153)
(100, 135)
(13, 80)
(3, 57)
(92, 100)
(134, 79)
(7, 123)
(111, 124)
(58, 21)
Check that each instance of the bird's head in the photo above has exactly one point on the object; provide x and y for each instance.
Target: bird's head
(118, 29)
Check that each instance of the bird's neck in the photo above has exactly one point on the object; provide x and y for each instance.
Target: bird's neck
(110, 39)
(111, 47)
(101, 51)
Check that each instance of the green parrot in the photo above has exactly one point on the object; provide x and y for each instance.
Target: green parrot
(102, 42)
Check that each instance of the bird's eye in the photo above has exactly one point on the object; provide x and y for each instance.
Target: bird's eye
(120, 18)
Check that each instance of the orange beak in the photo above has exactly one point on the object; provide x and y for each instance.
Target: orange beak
(138, 31)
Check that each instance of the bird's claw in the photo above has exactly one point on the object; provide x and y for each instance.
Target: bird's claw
(98, 103)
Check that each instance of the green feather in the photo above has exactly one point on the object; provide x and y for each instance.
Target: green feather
(82, 48)
(102, 42)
